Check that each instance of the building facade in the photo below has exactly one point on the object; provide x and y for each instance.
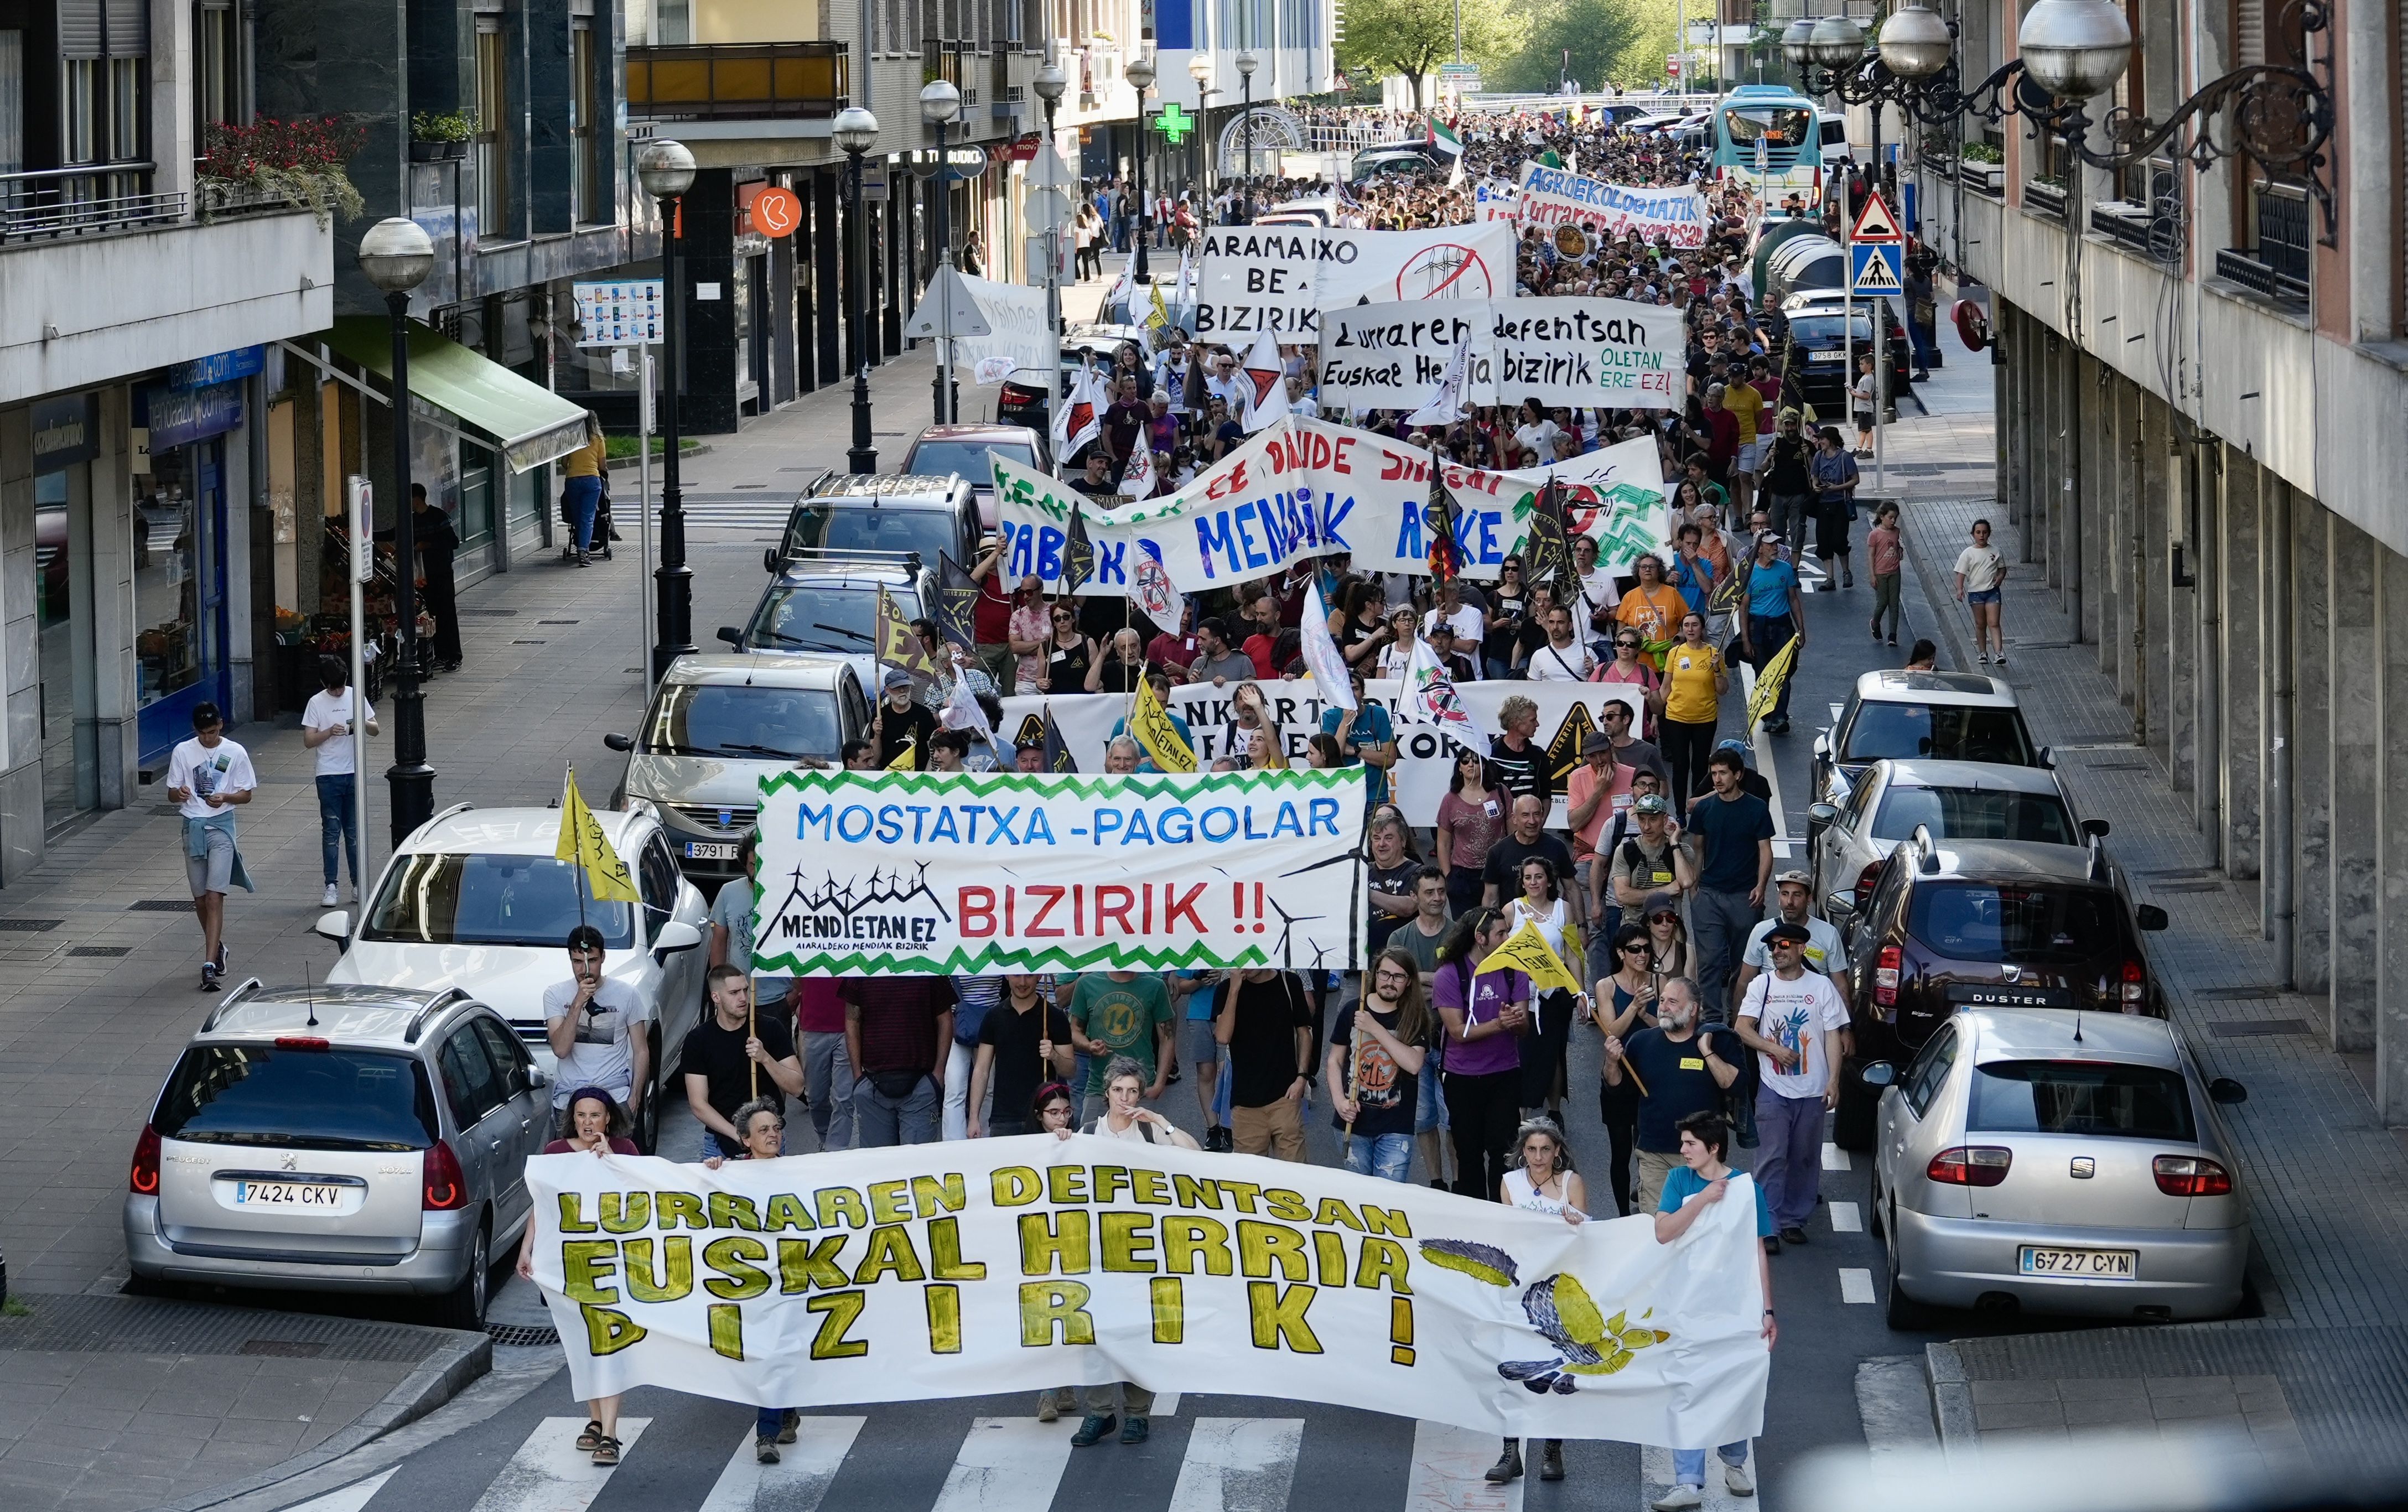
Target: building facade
(2202, 378)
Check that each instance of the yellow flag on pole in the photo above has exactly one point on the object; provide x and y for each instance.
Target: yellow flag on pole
(906, 760)
(1160, 315)
(582, 842)
(1769, 682)
(1150, 724)
(1526, 950)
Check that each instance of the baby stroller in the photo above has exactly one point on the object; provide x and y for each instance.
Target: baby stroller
(603, 533)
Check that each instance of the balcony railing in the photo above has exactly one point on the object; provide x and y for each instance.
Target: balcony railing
(2045, 197)
(2279, 265)
(97, 198)
(737, 82)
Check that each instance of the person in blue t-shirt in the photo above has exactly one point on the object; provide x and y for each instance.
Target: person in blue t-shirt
(1693, 573)
(1701, 1180)
(1775, 613)
(1366, 734)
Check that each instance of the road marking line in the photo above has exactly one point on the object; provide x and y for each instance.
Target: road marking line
(351, 1497)
(1238, 1464)
(1782, 839)
(800, 1478)
(1655, 1476)
(550, 1474)
(1846, 1218)
(1006, 1464)
(1855, 1285)
(1448, 1466)
(1834, 1157)
(1166, 1404)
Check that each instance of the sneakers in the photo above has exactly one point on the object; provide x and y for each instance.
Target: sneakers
(1135, 1429)
(1508, 1465)
(1771, 1245)
(790, 1426)
(1736, 1480)
(1794, 1234)
(328, 898)
(765, 1449)
(1093, 1432)
(1047, 1411)
(1983, 658)
(1678, 1498)
(1218, 1140)
(211, 972)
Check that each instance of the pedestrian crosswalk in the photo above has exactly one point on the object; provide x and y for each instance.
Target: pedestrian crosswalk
(763, 510)
(1006, 1464)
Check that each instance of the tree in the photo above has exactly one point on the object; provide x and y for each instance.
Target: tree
(1412, 37)
(1623, 42)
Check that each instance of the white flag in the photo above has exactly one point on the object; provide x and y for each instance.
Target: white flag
(1265, 376)
(1138, 480)
(1078, 419)
(1444, 405)
(1428, 696)
(1321, 653)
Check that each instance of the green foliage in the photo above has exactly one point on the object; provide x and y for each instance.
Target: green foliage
(1983, 152)
(1620, 42)
(1412, 37)
(300, 161)
(441, 126)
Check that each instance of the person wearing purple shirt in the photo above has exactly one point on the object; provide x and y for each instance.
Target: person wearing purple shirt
(1486, 1014)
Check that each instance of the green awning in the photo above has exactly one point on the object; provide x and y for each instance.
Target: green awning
(529, 425)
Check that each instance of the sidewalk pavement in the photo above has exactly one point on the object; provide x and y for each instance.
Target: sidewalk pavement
(2327, 1183)
(100, 958)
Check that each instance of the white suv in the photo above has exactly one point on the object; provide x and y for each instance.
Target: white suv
(475, 899)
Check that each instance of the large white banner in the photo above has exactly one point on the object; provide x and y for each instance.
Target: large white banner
(979, 1267)
(1036, 517)
(1567, 713)
(974, 873)
(1583, 351)
(1551, 196)
(1018, 334)
(1279, 278)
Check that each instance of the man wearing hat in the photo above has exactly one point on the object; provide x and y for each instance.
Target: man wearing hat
(1793, 896)
(1442, 644)
(903, 723)
(1797, 1023)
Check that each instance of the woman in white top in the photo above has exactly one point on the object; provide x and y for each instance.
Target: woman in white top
(1981, 574)
(1538, 1175)
(1543, 904)
(1396, 656)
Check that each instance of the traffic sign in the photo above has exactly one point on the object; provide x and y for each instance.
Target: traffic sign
(1874, 223)
(1877, 268)
(948, 309)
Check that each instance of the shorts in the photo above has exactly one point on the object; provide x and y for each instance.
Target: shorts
(1751, 456)
(1197, 1045)
(213, 871)
(1429, 1099)
(1983, 595)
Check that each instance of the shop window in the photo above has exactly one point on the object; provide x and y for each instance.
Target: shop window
(174, 530)
(12, 100)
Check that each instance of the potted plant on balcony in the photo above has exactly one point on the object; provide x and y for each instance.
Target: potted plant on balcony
(1986, 166)
(299, 163)
(439, 135)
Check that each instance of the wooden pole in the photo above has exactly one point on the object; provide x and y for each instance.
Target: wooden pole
(753, 1030)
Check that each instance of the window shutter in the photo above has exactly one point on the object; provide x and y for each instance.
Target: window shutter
(2248, 33)
(129, 28)
(80, 29)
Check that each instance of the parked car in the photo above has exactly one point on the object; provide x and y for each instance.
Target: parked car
(475, 899)
(1393, 158)
(341, 1138)
(1819, 337)
(939, 450)
(2034, 1160)
(1984, 923)
(825, 604)
(1847, 841)
(716, 727)
(1925, 715)
(883, 514)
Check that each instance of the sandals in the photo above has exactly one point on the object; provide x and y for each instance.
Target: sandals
(588, 1441)
(606, 1451)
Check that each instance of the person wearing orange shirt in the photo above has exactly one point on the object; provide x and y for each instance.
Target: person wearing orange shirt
(1653, 608)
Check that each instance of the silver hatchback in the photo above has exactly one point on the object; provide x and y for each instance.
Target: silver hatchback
(2058, 1164)
(1849, 840)
(365, 1139)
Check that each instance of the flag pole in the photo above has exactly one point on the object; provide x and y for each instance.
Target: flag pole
(752, 1031)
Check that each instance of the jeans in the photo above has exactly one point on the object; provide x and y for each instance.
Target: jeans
(1686, 746)
(1789, 1155)
(1722, 920)
(1765, 636)
(1689, 1465)
(958, 1060)
(1482, 1113)
(1788, 514)
(1618, 1108)
(827, 1081)
(1886, 602)
(885, 1121)
(1389, 1156)
(337, 829)
(1464, 890)
(584, 497)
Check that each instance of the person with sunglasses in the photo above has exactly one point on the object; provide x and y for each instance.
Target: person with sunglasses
(1624, 1002)
(1506, 604)
(1630, 668)
(1062, 668)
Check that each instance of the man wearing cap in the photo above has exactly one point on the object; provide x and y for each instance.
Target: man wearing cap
(1651, 860)
(1442, 644)
(1797, 1023)
(1793, 894)
(903, 723)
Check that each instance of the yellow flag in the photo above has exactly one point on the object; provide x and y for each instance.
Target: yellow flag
(582, 842)
(1769, 681)
(1152, 727)
(1526, 950)
(906, 760)
(1161, 315)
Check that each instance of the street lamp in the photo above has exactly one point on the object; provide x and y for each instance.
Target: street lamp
(396, 255)
(1200, 68)
(856, 132)
(1247, 62)
(666, 170)
(1139, 73)
(940, 104)
(1054, 219)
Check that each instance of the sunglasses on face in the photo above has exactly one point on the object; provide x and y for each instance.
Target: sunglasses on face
(1635, 945)
(1663, 918)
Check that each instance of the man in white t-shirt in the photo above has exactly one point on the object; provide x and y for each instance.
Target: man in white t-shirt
(1563, 658)
(208, 777)
(1792, 892)
(596, 1029)
(1795, 1021)
(327, 727)
(1451, 608)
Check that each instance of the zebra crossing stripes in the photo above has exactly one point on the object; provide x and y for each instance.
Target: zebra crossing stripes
(800, 1478)
(1450, 1471)
(1006, 1464)
(1238, 1464)
(550, 1474)
(351, 1498)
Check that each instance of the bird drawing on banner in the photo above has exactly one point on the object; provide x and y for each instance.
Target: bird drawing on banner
(1587, 1342)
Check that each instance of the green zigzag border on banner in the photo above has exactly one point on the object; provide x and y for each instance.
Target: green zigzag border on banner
(972, 962)
(980, 784)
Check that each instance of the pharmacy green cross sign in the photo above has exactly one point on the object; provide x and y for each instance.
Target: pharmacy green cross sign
(1173, 122)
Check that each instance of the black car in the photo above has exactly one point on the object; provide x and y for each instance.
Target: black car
(1984, 923)
(1813, 354)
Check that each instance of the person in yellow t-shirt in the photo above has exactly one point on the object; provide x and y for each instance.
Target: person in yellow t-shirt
(1695, 679)
(1747, 403)
(583, 472)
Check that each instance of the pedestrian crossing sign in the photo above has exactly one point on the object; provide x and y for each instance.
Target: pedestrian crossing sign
(1878, 268)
